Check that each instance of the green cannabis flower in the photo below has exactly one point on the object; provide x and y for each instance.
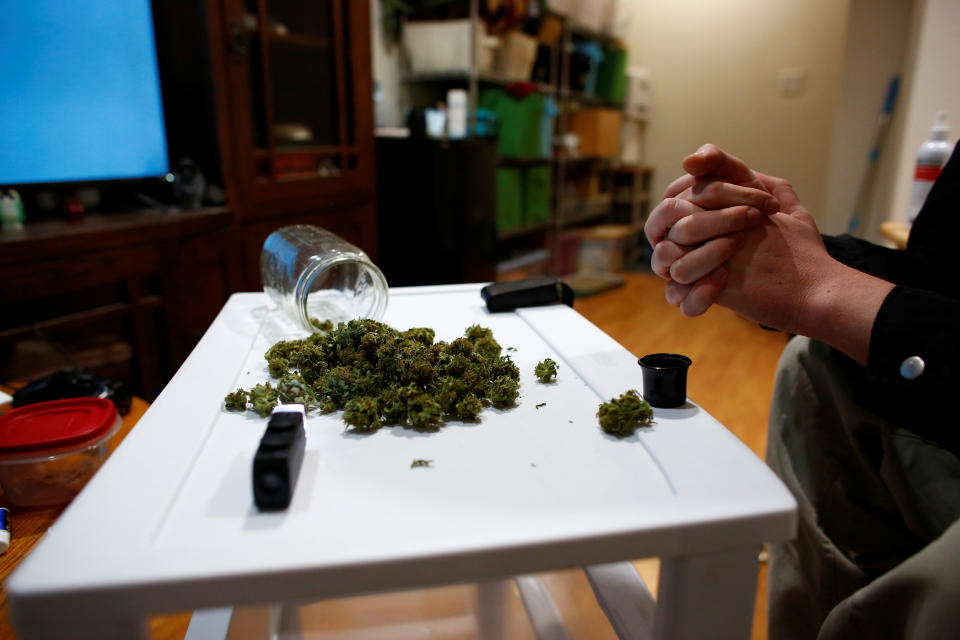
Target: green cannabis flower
(503, 392)
(380, 376)
(362, 413)
(469, 408)
(236, 401)
(293, 390)
(476, 332)
(621, 416)
(322, 325)
(263, 397)
(420, 463)
(546, 370)
(487, 347)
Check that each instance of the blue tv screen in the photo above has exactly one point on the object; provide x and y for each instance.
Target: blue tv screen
(80, 97)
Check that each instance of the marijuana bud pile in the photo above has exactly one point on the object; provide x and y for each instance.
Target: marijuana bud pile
(621, 416)
(546, 370)
(379, 376)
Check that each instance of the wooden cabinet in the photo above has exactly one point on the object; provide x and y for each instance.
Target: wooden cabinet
(273, 100)
(294, 95)
(126, 296)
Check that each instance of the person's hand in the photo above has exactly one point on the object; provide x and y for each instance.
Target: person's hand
(714, 180)
(782, 277)
(780, 270)
(696, 228)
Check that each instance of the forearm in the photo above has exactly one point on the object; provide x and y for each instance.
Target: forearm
(842, 308)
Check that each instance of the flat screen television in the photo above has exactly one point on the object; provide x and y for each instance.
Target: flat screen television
(80, 96)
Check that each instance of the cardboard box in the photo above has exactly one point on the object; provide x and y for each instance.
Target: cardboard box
(516, 56)
(598, 130)
(602, 247)
(443, 46)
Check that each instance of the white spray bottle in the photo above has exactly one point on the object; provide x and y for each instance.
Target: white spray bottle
(933, 154)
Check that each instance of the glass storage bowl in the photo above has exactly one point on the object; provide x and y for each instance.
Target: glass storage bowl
(312, 274)
(49, 450)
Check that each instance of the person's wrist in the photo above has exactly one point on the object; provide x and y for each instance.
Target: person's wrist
(840, 306)
(818, 300)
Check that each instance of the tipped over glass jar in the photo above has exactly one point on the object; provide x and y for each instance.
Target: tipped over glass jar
(313, 275)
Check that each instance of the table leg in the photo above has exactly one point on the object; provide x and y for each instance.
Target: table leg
(285, 621)
(493, 598)
(209, 624)
(707, 596)
(546, 620)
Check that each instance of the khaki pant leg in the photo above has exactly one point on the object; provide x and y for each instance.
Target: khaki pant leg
(854, 480)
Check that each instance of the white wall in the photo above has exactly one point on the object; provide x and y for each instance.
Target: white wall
(714, 74)
(876, 50)
(931, 82)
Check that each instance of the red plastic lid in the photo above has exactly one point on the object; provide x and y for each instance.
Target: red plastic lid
(57, 424)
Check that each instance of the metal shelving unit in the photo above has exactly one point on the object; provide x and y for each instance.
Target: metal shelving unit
(565, 213)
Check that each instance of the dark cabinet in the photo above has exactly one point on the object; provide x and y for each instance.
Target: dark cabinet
(272, 99)
(294, 93)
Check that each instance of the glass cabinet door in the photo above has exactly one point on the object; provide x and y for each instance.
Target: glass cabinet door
(301, 97)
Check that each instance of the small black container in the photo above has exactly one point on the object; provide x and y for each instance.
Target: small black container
(665, 379)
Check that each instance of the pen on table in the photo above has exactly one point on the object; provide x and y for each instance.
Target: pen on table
(4, 529)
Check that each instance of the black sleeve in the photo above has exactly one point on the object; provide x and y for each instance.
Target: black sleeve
(915, 322)
(930, 260)
(919, 317)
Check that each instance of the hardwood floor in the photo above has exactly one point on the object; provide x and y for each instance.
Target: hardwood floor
(734, 361)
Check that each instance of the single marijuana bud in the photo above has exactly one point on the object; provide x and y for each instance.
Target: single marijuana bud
(282, 351)
(263, 397)
(363, 414)
(475, 332)
(277, 367)
(293, 390)
(322, 325)
(423, 412)
(264, 407)
(487, 347)
(420, 463)
(503, 392)
(236, 401)
(422, 335)
(393, 406)
(546, 371)
(469, 408)
(621, 416)
(461, 346)
(542, 404)
(504, 366)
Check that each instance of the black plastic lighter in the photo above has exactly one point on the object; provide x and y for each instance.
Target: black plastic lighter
(279, 457)
(532, 292)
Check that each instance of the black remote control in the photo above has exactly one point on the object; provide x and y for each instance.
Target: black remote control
(532, 292)
(279, 457)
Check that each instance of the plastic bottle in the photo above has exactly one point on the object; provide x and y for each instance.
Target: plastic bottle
(933, 154)
(457, 113)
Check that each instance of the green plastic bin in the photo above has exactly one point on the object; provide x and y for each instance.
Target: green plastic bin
(509, 198)
(612, 75)
(536, 195)
(520, 122)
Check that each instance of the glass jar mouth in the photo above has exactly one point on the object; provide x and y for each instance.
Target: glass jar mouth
(320, 265)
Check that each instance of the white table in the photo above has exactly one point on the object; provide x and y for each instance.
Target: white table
(169, 524)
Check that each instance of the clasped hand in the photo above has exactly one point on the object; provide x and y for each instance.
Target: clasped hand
(730, 235)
